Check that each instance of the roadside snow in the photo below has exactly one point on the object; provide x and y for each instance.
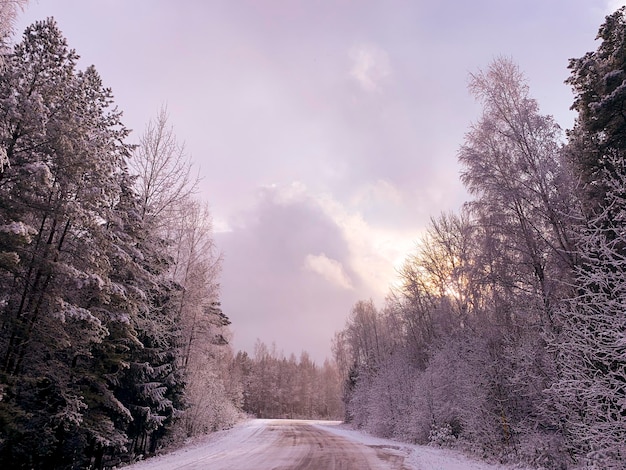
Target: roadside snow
(418, 457)
(241, 436)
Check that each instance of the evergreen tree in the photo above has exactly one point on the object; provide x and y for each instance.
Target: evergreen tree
(591, 390)
(88, 338)
(598, 80)
(65, 146)
(150, 383)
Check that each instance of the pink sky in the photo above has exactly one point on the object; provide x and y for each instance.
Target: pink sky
(326, 132)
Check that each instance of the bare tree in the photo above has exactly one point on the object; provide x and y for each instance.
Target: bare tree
(165, 176)
(8, 14)
(512, 166)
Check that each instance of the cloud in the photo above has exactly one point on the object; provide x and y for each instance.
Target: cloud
(297, 260)
(370, 66)
(330, 269)
(264, 288)
(374, 253)
(221, 225)
(371, 250)
(613, 5)
(382, 191)
(351, 243)
(285, 195)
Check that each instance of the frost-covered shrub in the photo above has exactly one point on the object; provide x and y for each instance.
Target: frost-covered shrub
(390, 397)
(210, 408)
(542, 450)
(358, 408)
(604, 460)
(421, 416)
(442, 436)
(460, 388)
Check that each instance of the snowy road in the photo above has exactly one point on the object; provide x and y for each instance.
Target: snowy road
(298, 445)
(279, 444)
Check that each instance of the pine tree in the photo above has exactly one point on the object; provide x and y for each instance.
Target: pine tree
(598, 80)
(146, 380)
(68, 311)
(591, 390)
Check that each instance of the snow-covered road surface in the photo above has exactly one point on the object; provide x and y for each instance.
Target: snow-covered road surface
(278, 444)
(304, 445)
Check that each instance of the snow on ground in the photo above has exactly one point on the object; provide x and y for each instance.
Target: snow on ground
(419, 457)
(246, 436)
(240, 436)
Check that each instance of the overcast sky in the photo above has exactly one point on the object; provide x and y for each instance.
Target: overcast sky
(326, 132)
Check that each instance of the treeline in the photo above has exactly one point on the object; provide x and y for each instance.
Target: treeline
(278, 387)
(506, 336)
(112, 340)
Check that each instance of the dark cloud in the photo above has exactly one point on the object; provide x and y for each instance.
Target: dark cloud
(268, 292)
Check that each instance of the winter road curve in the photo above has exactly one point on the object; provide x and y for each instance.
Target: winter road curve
(280, 445)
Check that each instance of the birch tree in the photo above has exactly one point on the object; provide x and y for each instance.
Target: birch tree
(165, 178)
(166, 185)
(511, 159)
(8, 14)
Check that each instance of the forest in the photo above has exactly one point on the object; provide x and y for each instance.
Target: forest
(275, 386)
(505, 336)
(113, 343)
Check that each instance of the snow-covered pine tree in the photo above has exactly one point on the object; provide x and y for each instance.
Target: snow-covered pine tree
(598, 80)
(66, 149)
(149, 384)
(591, 390)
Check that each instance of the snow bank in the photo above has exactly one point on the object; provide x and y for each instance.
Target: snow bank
(200, 448)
